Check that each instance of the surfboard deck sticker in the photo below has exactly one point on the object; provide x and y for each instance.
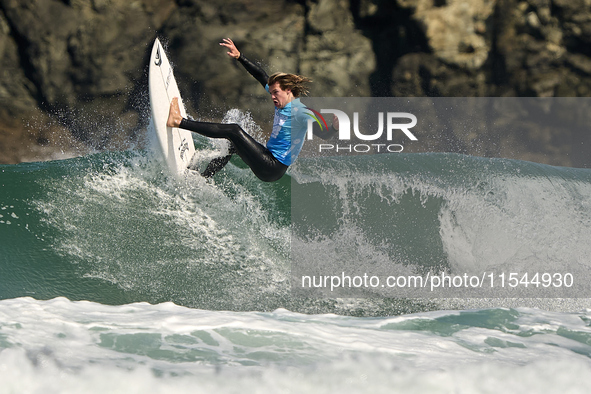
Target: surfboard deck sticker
(176, 145)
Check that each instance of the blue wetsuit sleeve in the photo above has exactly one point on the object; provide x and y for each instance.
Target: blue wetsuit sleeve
(257, 72)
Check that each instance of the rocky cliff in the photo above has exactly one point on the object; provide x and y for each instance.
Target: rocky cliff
(73, 72)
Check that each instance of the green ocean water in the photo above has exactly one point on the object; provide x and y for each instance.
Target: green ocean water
(116, 277)
(114, 228)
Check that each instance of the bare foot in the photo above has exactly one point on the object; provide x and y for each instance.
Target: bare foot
(174, 115)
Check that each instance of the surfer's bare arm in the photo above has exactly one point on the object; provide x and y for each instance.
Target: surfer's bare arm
(257, 72)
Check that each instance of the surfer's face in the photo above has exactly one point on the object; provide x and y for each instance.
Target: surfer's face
(280, 97)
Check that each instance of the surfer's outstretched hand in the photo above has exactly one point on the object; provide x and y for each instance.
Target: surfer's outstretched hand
(335, 122)
(174, 114)
(233, 51)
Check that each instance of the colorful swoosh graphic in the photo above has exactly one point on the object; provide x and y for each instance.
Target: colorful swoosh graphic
(315, 115)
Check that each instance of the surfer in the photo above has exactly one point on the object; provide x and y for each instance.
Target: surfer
(269, 162)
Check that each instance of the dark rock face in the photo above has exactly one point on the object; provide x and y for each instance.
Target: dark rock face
(73, 72)
(78, 61)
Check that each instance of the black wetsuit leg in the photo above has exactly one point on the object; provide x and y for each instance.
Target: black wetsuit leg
(260, 160)
(215, 165)
(265, 166)
(218, 163)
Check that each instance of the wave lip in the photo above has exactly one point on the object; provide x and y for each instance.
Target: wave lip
(482, 221)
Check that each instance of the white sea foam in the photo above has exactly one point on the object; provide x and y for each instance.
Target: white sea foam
(167, 238)
(65, 347)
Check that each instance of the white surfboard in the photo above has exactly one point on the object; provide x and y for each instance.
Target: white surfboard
(176, 145)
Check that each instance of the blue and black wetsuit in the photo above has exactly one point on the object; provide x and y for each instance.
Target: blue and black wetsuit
(270, 162)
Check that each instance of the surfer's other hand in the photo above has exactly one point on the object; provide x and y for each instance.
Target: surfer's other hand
(233, 51)
(335, 122)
